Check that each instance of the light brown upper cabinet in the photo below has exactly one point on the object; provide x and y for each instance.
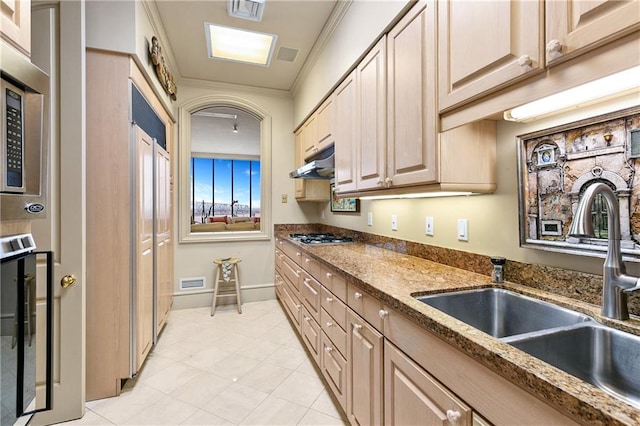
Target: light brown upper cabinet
(574, 27)
(346, 133)
(308, 189)
(15, 24)
(371, 118)
(411, 99)
(484, 46)
(325, 119)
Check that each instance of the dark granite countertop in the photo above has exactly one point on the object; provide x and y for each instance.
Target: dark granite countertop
(396, 278)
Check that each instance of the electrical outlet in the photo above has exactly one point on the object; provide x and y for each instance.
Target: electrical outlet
(394, 222)
(284, 198)
(463, 230)
(370, 219)
(428, 225)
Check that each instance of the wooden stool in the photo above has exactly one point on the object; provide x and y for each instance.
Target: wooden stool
(233, 277)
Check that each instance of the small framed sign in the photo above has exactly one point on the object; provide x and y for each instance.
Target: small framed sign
(348, 205)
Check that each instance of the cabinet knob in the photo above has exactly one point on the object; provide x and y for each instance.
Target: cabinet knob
(329, 274)
(525, 61)
(298, 306)
(554, 46)
(307, 260)
(298, 253)
(307, 319)
(383, 314)
(329, 324)
(388, 182)
(357, 295)
(357, 326)
(453, 416)
(328, 349)
(379, 181)
(329, 299)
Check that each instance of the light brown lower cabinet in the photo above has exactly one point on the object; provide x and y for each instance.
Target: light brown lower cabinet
(413, 397)
(334, 369)
(364, 372)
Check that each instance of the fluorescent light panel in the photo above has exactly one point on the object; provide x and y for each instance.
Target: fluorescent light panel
(234, 44)
(578, 96)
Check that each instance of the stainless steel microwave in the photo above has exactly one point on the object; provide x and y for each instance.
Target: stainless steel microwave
(24, 109)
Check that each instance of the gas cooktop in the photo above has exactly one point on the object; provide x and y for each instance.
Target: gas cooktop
(317, 238)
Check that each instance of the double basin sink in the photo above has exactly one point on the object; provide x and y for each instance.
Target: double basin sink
(571, 341)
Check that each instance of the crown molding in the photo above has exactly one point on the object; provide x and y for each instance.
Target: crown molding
(337, 14)
(216, 85)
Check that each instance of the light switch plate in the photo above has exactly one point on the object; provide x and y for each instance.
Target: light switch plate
(284, 198)
(463, 230)
(428, 225)
(394, 222)
(370, 219)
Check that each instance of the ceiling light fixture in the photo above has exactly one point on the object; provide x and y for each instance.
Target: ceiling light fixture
(235, 128)
(216, 115)
(594, 91)
(234, 44)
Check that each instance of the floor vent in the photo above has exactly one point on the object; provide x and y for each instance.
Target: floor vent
(192, 283)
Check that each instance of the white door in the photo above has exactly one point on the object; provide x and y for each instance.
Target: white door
(63, 231)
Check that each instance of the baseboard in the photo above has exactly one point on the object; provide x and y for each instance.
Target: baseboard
(203, 298)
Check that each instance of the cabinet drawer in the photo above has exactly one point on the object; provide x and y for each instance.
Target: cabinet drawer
(334, 307)
(310, 331)
(333, 281)
(310, 295)
(334, 331)
(291, 304)
(334, 368)
(278, 259)
(291, 251)
(278, 282)
(291, 273)
(310, 265)
(365, 305)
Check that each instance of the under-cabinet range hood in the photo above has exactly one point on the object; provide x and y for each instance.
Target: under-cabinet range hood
(321, 166)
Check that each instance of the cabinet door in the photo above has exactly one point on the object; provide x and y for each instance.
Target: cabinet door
(346, 129)
(364, 372)
(310, 331)
(15, 20)
(574, 27)
(144, 246)
(164, 247)
(325, 121)
(411, 98)
(485, 45)
(334, 369)
(299, 183)
(310, 137)
(413, 397)
(372, 118)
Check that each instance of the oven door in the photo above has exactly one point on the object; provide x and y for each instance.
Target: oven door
(26, 313)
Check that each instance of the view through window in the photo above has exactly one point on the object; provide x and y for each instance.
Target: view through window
(224, 187)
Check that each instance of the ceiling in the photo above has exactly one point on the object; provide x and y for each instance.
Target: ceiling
(296, 23)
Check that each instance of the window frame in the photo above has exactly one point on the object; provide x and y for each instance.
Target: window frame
(184, 184)
(230, 157)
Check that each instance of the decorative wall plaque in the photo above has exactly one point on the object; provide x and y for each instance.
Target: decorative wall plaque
(165, 77)
(557, 165)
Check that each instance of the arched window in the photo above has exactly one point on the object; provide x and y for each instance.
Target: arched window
(225, 148)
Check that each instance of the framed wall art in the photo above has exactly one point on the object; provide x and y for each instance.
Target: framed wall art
(343, 205)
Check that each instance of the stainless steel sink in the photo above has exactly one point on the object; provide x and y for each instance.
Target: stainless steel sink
(602, 356)
(502, 313)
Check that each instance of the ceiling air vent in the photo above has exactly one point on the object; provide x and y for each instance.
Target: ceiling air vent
(287, 54)
(251, 10)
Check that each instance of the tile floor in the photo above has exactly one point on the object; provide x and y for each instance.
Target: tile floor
(229, 369)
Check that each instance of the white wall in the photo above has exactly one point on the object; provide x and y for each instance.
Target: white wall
(493, 219)
(360, 27)
(257, 267)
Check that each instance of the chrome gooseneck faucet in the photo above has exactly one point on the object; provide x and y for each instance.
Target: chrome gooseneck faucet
(616, 283)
